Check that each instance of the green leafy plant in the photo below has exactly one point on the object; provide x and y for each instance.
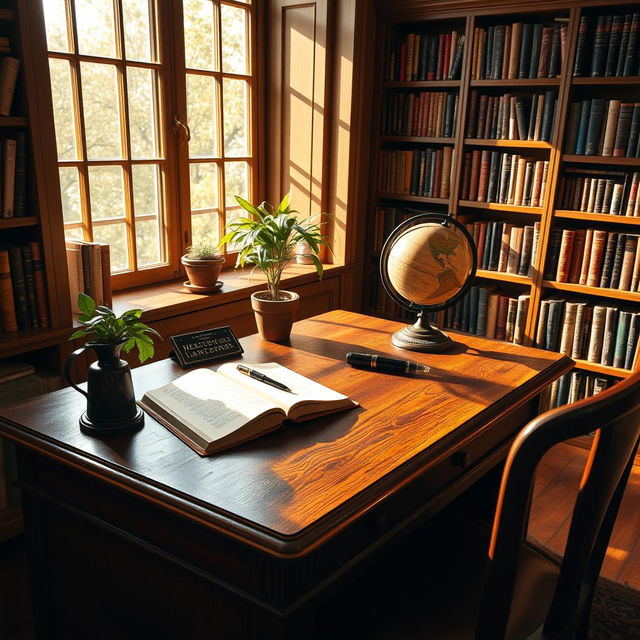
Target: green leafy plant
(267, 239)
(102, 326)
(203, 250)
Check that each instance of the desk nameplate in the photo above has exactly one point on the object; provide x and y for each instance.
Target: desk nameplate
(203, 346)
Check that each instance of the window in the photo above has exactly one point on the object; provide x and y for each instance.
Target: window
(154, 124)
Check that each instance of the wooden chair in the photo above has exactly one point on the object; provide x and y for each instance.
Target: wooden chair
(489, 583)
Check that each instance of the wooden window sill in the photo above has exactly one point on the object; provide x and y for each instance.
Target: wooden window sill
(168, 299)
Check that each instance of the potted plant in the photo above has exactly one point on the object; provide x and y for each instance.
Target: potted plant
(267, 238)
(202, 263)
(111, 403)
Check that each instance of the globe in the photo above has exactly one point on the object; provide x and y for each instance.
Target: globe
(429, 264)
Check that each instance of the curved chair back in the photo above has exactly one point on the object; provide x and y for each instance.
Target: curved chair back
(614, 415)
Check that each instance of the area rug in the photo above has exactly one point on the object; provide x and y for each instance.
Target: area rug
(615, 612)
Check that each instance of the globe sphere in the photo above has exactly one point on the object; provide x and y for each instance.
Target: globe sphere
(428, 264)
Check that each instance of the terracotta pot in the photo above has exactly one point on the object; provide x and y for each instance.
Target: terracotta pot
(274, 317)
(203, 273)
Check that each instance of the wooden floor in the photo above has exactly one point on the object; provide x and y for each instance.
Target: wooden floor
(555, 490)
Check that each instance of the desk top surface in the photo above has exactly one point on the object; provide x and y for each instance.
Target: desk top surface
(300, 481)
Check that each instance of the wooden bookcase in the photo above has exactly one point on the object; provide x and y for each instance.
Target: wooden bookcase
(433, 17)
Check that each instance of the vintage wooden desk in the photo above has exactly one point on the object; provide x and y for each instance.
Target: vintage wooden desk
(137, 536)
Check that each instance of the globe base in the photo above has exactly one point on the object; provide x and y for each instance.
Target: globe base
(420, 338)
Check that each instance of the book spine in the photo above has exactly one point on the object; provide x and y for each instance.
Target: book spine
(545, 52)
(601, 41)
(623, 129)
(9, 177)
(543, 317)
(564, 259)
(624, 44)
(607, 267)
(522, 307)
(29, 283)
(634, 132)
(525, 50)
(597, 332)
(593, 129)
(581, 139)
(556, 312)
(630, 58)
(554, 56)
(622, 336)
(19, 288)
(628, 260)
(456, 65)
(613, 49)
(632, 341)
(572, 127)
(514, 54)
(581, 46)
(608, 336)
(578, 331)
(547, 116)
(8, 320)
(617, 261)
(577, 255)
(19, 206)
(597, 256)
(536, 44)
(568, 328)
(610, 127)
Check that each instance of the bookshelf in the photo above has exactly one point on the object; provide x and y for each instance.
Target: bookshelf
(477, 78)
(42, 343)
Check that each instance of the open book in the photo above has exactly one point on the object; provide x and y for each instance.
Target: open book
(214, 410)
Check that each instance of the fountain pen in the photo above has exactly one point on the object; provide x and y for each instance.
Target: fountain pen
(372, 362)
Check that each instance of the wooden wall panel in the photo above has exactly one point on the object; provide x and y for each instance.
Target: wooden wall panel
(296, 105)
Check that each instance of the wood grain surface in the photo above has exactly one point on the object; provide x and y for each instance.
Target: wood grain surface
(307, 477)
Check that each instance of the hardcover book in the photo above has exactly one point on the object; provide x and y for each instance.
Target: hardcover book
(214, 410)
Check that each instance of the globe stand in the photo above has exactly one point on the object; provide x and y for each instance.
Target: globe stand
(421, 336)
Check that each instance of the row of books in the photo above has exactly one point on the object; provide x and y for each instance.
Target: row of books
(424, 113)
(574, 386)
(594, 257)
(14, 175)
(386, 220)
(599, 127)
(595, 191)
(505, 247)
(418, 172)
(510, 117)
(23, 297)
(518, 50)
(484, 312)
(607, 45)
(89, 267)
(414, 56)
(597, 333)
(505, 178)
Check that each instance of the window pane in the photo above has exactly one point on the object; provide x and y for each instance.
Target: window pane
(101, 111)
(142, 113)
(204, 185)
(106, 189)
(74, 234)
(145, 189)
(70, 191)
(137, 40)
(235, 117)
(198, 35)
(236, 177)
(204, 226)
(234, 39)
(202, 116)
(96, 27)
(115, 235)
(63, 109)
(55, 20)
(148, 242)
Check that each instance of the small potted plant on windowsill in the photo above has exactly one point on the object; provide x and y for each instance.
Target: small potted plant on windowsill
(203, 262)
(267, 239)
